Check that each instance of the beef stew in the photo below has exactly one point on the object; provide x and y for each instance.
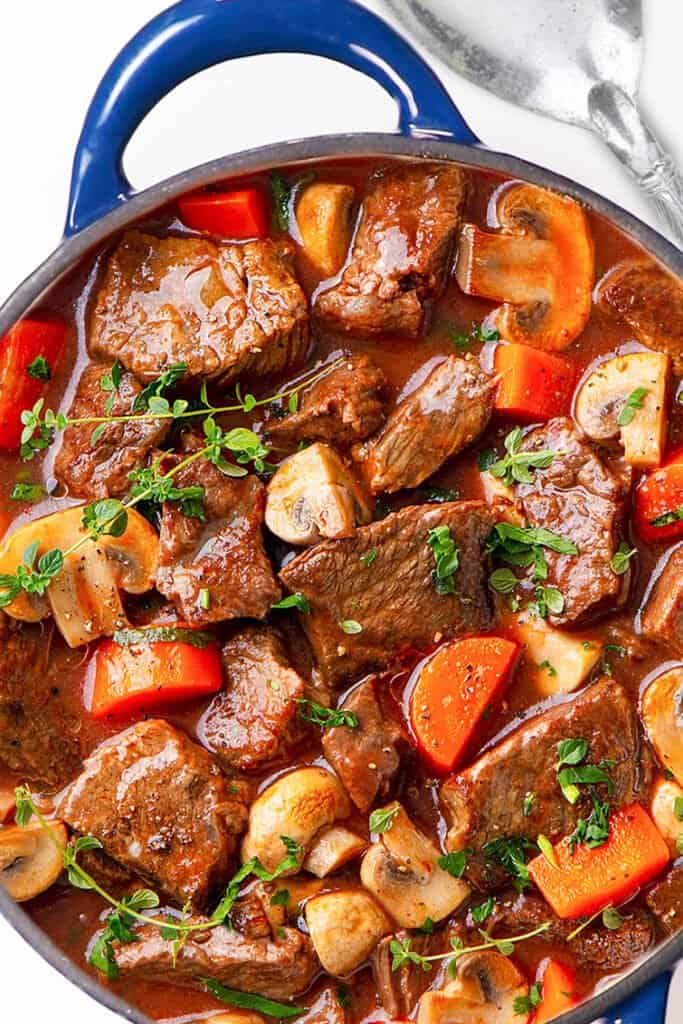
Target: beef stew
(339, 588)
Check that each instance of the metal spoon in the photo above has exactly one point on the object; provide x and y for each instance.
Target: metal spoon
(575, 60)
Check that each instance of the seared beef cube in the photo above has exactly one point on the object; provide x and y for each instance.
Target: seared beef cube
(394, 595)
(101, 469)
(436, 421)
(594, 948)
(650, 300)
(485, 801)
(400, 990)
(160, 806)
(222, 553)
(276, 969)
(222, 310)
(39, 738)
(323, 1007)
(581, 499)
(401, 254)
(365, 758)
(345, 406)
(662, 614)
(665, 900)
(254, 719)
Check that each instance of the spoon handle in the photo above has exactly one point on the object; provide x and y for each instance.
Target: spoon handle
(618, 120)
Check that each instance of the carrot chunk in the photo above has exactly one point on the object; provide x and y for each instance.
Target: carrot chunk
(558, 991)
(240, 214)
(534, 385)
(587, 879)
(127, 679)
(452, 692)
(28, 357)
(658, 504)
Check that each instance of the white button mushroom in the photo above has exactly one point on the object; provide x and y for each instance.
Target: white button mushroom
(345, 926)
(665, 804)
(333, 848)
(662, 715)
(297, 805)
(323, 217)
(84, 596)
(402, 872)
(29, 860)
(540, 266)
(313, 495)
(484, 992)
(559, 661)
(626, 397)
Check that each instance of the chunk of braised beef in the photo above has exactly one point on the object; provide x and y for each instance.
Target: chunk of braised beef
(383, 579)
(255, 718)
(665, 900)
(222, 310)
(661, 617)
(222, 552)
(100, 469)
(366, 757)
(400, 990)
(401, 253)
(279, 968)
(160, 806)
(440, 418)
(486, 801)
(345, 406)
(580, 498)
(650, 300)
(39, 735)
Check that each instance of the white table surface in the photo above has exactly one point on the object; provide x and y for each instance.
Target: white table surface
(52, 55)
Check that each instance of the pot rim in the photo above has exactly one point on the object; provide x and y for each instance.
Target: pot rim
(280, 154)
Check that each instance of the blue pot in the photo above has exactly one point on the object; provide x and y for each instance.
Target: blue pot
(188, 38)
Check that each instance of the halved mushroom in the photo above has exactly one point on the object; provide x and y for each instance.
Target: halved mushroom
(298, 891)
(345, 926)
(559, 661)
(631, 387)
(297, 805)
(663, 806)
(662, 714)
(402, 872)
(540, 266)
(333, 848)
(484, 992)
(29, 860)
(84, 596)
(323, 216)
(313, 495)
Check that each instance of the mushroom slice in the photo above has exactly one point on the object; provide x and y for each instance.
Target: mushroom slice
(29, 860)
(323, 216)
(333, 848)
(313, 495)
(662, 715)
(665, 793)
(631, 388)
(484, 992)
(559, 661)
(540, 266)
(84, 596)
(345, 926)
(402, 872)
(297, 805)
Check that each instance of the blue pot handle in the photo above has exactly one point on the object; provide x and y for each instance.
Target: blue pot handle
(196, 34)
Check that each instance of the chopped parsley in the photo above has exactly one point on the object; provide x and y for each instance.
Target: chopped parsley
(528, 804)
(382, 819)
(516, 466)
(438, 495)
(550, 669)
(549, 601)
(620, 561)
(675, 516)
(350, 627)
(39, 369)
(510, 853)
(633, 403)
(547, 849)
(446, 557)
(524, 1005)
(368, 558)
(297, 601)
(27, 492)
(280, 898)
(678, 807)
(326, 718)
(483, 910)
(281, 191)
(454, 863)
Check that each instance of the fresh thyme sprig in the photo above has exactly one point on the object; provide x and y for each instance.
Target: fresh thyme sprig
(129, 910)
(403, 954)
(40, 424)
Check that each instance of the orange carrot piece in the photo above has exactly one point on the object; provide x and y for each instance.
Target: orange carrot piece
(240, 214)
(534, 385)
(658, 504)
(588, 879)
(558, 988)
(452, 692)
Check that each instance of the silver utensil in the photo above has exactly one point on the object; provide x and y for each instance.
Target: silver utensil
(575, 60)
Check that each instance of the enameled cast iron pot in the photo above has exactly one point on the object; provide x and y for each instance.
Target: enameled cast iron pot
(188, 38)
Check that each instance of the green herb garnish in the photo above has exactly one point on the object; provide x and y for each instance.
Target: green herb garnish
(326, 718)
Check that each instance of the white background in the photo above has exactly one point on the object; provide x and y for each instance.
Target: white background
(52, 55)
